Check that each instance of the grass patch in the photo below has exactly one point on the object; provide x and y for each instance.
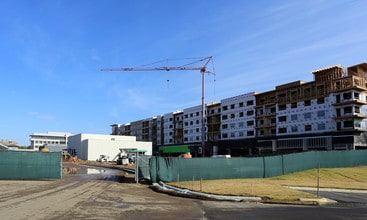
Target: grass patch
(274, 187)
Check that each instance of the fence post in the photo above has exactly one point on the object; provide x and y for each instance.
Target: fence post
(201, 180)
(318, 181)
(193, 182)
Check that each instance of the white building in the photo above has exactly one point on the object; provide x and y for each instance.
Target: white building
(56, 141)
(238, 117)
(168, 128)
(192, 124)
(91, 146)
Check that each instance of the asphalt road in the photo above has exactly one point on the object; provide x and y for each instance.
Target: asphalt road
(344, 197)
(89, 193)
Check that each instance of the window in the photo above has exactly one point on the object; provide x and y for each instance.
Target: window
(241, 114)
(307, 102)
(262, 132)
(320, 101)
(232, 134)
(294, 105)
(282, 118)
(357, 124)
(348, 110)
(225, 108)
(225, 126)
(232, 125)
(197, 113)
(250, 123)
(224, 117)
(250, 133)
(261, 122)
(308, 127)
(294, 128)
(232, 106)
(251, 112)
(337, 98)
(321, 126)
(240, 124)
(197, 130)
(240, 134)
(321, 114)
(356, 109)
(273, 131)
(282, 107)
(233, 115)
(282, 130)
(197, 122)
(307, 115)
(240, 104)
(348, 124)
(294, 117)
(282, 97)
(224, 135)
(347, 95)
(273, 121)
(249, 103)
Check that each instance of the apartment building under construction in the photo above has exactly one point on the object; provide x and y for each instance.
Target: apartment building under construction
(328, 113)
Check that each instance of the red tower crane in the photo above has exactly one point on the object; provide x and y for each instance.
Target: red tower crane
(203, 69)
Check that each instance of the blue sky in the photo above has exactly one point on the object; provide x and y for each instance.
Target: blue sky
(52, 53)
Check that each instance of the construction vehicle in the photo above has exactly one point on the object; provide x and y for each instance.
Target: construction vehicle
(121, 157)
(103, 158)
(44, 149)
(67, 157)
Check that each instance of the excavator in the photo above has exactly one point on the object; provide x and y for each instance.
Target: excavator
(67, 157)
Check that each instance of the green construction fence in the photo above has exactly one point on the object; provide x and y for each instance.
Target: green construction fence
(180, 169)
(30, 165)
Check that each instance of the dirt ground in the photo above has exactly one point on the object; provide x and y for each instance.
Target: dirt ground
(85, 193)
(98, 193)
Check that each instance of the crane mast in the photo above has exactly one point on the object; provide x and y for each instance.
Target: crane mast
(203, 70)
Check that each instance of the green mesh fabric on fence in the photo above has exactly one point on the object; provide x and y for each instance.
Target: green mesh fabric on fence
(179, 169)
(143, 167)
(22, 165)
